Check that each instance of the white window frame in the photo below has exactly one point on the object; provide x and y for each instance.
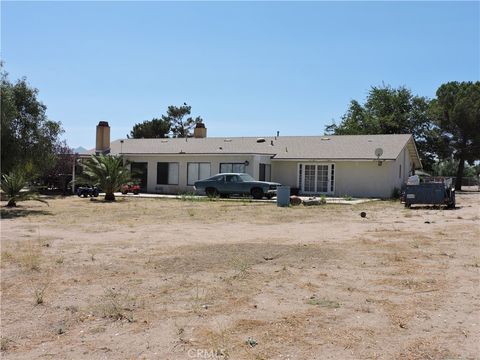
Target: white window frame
(232, 165)
(301, 182)
(171, 165)
(198, 174)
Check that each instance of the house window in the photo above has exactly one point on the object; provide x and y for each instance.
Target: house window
(299, 175)
(197, 171)
(232, 167)
(139, 171)
(322, 178)
(316, 178)
(309, 179)
(400, 171)
(167, 173)
(332, 177)
(265, 172)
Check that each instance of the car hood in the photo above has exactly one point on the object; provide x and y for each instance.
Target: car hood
(266, 183)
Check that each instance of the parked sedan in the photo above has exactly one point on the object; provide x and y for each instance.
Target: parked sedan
(236, 184)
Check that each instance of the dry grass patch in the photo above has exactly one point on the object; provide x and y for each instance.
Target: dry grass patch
(237, 278)
(116, 305)
(425, 349)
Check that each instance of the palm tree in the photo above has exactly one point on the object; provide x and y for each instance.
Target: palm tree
(108, 172)
(13, 185)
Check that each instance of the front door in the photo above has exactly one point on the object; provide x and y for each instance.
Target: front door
(139, 171)
(316, 178)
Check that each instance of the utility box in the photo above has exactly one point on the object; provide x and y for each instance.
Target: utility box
(283, 196)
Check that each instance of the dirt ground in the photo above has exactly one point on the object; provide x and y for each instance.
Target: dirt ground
(184, 279)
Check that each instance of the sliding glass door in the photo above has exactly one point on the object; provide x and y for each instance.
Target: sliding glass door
(316, 178)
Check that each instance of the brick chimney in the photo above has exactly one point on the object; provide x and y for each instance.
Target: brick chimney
(200, 130)
(102, 145)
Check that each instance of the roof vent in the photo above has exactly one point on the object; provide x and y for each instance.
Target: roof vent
(271, 142)
(164, 141)
(325, 138)
(260, 140)
(227, 140)
(220, 148)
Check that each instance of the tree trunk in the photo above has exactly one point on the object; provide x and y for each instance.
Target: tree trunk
(461, 167)
(11, 203)
(109, 197)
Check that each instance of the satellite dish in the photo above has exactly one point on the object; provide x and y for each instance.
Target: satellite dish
(378, 152)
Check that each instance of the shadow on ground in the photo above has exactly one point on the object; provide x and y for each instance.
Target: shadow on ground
(13, 213)
(434, 207)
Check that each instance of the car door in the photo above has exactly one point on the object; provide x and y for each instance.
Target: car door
(232, 184)
(243, 186)
(220, 185)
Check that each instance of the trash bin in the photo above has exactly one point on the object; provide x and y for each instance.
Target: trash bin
(283, 196)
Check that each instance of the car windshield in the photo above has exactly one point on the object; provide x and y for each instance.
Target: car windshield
(216, 177)
(246, 177)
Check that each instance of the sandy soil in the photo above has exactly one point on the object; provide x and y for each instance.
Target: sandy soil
(173, 279)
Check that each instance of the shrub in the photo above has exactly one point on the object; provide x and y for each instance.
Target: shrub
(13, 185)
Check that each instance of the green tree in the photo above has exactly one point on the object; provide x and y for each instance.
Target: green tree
(59, 174)
(14, 185)
(28, 136)
(456, 111)
(155, 128)
(449, 167)
(390, 110)
(180, 126)
(108, 172)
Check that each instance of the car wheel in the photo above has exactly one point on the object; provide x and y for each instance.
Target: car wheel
(257, 193)
(211, 192)
(269, 196)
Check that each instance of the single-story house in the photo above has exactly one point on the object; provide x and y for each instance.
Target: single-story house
(334, 165)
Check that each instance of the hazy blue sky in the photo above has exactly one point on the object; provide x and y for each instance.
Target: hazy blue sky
(246, 68)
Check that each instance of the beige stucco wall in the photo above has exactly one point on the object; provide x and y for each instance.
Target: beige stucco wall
(214, 160)
(400, 175)
(285, 172)
(352, 178)
(364, 179)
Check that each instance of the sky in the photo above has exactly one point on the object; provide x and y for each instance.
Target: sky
(248, 69)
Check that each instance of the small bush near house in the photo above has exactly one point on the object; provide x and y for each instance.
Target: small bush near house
(396, 193)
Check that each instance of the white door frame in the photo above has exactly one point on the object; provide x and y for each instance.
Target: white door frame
(301, 181)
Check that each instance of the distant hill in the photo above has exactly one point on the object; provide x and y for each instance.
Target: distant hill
(80, 150)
